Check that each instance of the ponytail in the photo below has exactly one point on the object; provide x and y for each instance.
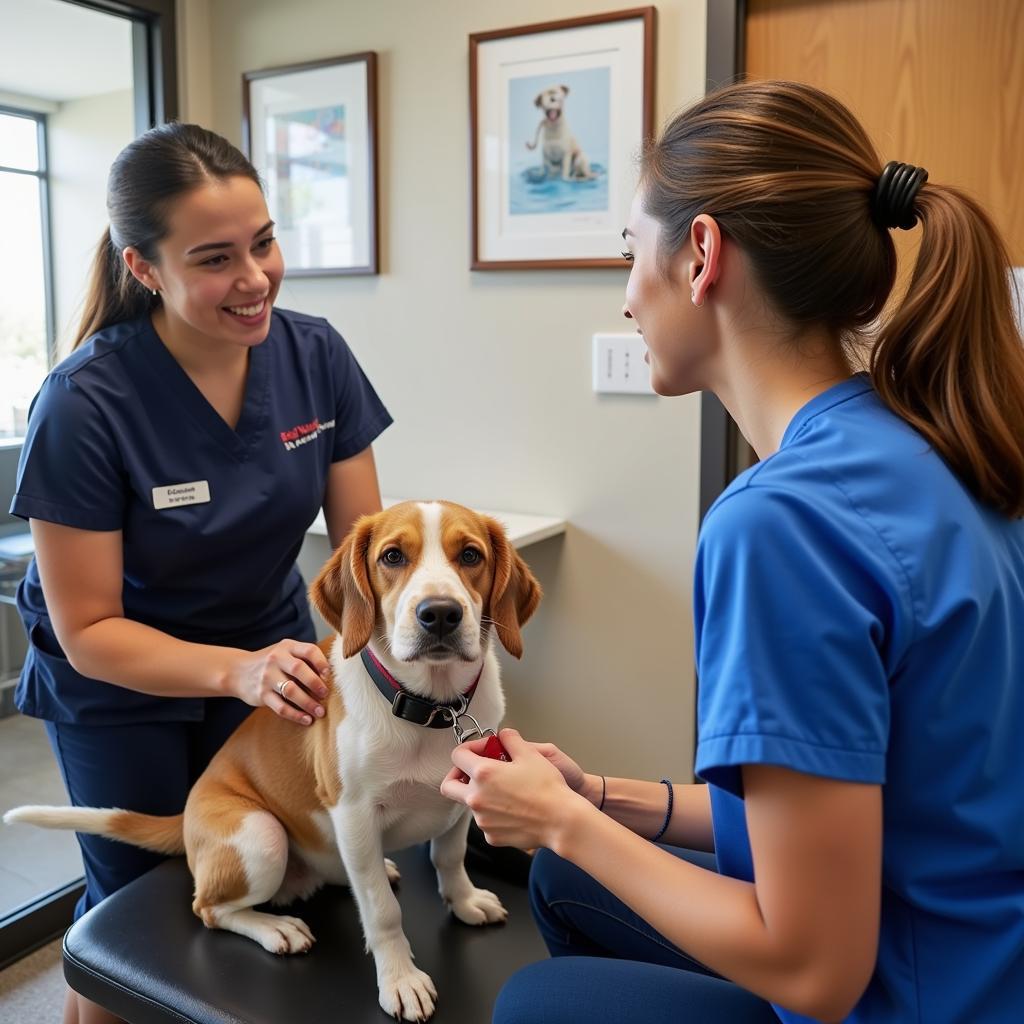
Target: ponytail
(113, 293)
(950, 359)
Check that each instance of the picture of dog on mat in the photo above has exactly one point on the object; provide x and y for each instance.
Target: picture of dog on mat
(562, 156)
(558, 142)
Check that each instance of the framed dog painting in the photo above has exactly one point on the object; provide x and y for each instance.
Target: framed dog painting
(558, 115)
(310, 130)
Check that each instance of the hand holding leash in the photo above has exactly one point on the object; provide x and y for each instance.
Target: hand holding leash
(519, 803)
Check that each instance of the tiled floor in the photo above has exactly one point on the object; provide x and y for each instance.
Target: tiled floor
(33, 861)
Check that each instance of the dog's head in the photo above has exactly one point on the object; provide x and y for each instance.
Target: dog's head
(431, 578)
(552, 100)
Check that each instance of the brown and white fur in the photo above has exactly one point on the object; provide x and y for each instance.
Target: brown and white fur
(560, 152)
(280, 810)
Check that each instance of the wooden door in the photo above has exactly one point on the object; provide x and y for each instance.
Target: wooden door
(938, 83)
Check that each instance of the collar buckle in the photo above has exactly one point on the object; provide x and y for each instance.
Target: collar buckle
(451, 712)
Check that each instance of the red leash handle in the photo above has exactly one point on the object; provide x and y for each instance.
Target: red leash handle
(492, 749)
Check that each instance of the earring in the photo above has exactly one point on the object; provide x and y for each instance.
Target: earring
(154, 292)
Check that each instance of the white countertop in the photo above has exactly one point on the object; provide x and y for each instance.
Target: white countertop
(523, 529)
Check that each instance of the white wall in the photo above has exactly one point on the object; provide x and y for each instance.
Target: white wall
(17, 99)
(85, 135)
(488, 374)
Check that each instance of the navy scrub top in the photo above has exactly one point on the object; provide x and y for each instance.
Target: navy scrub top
(859, 616)
(212, 518)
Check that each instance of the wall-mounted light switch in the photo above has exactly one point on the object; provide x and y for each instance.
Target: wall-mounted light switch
(619, 365)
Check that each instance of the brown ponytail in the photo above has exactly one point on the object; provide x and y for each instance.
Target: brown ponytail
(145, 179)
(788, 172)
(950, 360)
(113, 294)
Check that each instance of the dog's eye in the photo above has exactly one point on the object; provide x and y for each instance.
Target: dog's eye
(470, 556)
(393, 556)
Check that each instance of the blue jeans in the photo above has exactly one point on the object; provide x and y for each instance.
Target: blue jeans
(609, 966)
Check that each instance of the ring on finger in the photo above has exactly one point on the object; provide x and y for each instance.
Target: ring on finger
(279, 687)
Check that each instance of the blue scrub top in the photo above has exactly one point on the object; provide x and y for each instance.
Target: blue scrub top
(119, 438)
(860, 616)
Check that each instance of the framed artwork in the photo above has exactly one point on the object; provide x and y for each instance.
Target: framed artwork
(311, 132)
(558, 116)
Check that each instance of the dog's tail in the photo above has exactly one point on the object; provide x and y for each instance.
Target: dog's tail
(161, 835)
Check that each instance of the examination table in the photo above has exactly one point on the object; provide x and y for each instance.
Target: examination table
(145, 956)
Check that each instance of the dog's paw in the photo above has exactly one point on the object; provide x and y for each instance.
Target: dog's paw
(283, 935)
(394, 875)
(409, 995)
(479, 906)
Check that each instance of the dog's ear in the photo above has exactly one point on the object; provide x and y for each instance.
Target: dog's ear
(565, 89)
(515, 592)
(342, 594)
(540, 99)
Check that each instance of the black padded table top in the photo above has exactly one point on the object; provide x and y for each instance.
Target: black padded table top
(145, 956)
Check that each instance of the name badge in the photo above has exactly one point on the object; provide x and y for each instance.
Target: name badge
(195, 493)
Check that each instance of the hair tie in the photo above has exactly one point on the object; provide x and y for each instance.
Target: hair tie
(892, 202)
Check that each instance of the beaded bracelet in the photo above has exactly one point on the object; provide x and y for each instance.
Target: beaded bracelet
(668, 812)
(604, 792)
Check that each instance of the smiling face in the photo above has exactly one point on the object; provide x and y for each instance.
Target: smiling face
(219, 268)
(658, 301)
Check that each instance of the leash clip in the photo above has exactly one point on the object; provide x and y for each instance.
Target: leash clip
(461, 735)
(454, 715)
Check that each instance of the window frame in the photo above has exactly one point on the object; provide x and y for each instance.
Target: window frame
(154, 46)
(43, 177)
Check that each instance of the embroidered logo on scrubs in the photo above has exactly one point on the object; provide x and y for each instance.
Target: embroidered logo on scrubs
(195, 493)
(304, 433)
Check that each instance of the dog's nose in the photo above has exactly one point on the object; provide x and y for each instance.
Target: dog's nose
(439, 615)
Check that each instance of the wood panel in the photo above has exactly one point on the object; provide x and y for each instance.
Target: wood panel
(939, 83)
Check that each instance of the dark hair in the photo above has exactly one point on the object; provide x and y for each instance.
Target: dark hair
(788, 173)
(147, 176)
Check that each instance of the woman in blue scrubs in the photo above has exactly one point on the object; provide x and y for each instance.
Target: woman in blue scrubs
(172, 465)
(859, 612)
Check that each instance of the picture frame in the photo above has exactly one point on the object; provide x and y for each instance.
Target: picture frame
(559, 112)
(310, 130)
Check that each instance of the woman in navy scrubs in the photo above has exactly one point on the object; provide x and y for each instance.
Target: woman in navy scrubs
(172, 465)
(859, 612)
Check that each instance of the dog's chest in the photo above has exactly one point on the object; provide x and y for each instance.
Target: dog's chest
(555, 134)
(412, 812)
(400, 782)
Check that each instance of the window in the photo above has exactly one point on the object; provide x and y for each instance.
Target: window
(26, 311)
(64, 116)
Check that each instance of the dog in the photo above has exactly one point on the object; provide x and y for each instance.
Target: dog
(414, 593)
(561, 154)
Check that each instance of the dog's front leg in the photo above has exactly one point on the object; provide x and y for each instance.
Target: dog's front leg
(469, 904)
(403, 989)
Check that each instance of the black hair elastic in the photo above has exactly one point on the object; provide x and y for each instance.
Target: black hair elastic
(892, 202)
